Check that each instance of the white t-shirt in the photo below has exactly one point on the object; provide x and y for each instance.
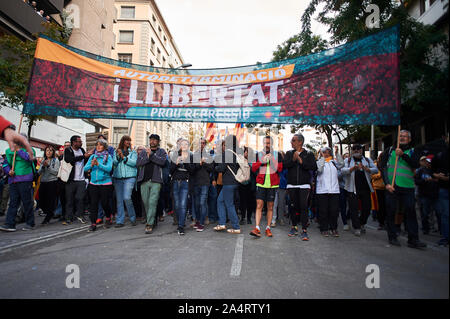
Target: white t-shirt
(79, 167)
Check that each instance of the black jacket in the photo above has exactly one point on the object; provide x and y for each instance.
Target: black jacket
(224, 161)
(69, 157)
(202, 172)
(299, 174)
(182, 171)
(429, 189)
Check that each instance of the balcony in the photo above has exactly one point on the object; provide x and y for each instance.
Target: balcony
(436, 12)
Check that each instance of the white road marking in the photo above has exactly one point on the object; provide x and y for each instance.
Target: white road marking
(237, 260)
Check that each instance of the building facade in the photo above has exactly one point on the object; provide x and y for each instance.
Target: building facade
(142, 37)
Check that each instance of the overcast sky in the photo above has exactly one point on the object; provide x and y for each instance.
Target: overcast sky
(218, 33)
(227, 33)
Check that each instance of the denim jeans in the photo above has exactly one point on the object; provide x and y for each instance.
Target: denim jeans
(18, 192)
(124, 188)
(201, 201)
(426, 207)
(212, 203)
(180, 191)
(442, 207)
(225, 206)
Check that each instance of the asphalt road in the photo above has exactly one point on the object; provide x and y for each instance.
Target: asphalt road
(126, 263)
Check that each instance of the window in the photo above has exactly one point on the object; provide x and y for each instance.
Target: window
(164, 62)
(118, 132)
(126, 36)
(160, 31)
(152, 45)
(151, 63)
(158, 55)
(127, 12)
(153, 18)
(125, 57)
(422, 7)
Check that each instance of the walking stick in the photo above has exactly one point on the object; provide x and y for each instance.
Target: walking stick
(396, 157)
(15, 152)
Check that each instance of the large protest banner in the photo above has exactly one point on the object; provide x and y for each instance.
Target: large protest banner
(355, 83)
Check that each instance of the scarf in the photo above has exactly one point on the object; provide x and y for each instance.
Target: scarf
(104, 154)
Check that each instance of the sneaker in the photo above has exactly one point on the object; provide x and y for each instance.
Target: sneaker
(193, 224)
(346, 227)
(305, 236)
(66, 222)
(134, 223)
(363, 229)
(358, 232)
(99, 221)
(200, 228)
(334, 233)
(268, 232)
(293, 232)
(233, 231)
(273, 225)
(28, 227)
(255, 232)
(161, 218)
(118, 225)
(148, 229)
(394, 242)
(92, 228)
(181, 231)
(417, 244)
(82, 220)
(7, 228)
(324, 233)
(197, 224)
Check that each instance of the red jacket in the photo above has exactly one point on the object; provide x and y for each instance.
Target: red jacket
(4, 123)
(275, 168)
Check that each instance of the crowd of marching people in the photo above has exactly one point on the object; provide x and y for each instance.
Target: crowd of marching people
(228, 187)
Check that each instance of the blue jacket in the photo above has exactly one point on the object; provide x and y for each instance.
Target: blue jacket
(125, 168)
(101, 174)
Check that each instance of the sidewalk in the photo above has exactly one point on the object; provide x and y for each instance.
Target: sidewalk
(19, 238)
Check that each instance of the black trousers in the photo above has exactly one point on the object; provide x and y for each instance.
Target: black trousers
(75, 192)
(328, 209)
(299, 201)
(247, 201)
(100, 194)
(405, 198)
(48, 198)
(366, 205)
(381, 213)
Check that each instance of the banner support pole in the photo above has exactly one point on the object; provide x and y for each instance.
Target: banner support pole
(15, 151)
(396, 157)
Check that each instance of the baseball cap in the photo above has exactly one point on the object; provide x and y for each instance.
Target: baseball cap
(426, 158)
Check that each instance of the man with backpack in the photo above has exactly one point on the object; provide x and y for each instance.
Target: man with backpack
(357, 173)
(75, 187)
(267, 167)
(403, 189)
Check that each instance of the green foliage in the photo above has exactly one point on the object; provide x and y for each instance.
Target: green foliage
(345, 21)
(16, 61)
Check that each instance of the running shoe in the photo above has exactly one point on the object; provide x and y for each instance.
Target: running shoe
(255, 232)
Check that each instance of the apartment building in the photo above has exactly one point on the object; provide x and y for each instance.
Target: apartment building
(142, 37)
